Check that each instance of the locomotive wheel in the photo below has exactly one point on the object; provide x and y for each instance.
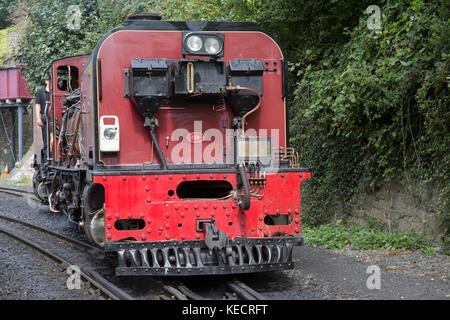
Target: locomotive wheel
(94, 226)
(94, 214)
(39, 188)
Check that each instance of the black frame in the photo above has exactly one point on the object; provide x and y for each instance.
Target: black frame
(203, 35)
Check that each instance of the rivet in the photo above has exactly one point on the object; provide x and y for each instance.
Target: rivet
(108, 236)
(297, 211)
(108, 226)
(149, 200)
(104, 178)
(144, 178)
(167, 226)
(184, 177)
(225, 176)
(182, 214)
(129, 215)
(198, 214)
(233, 206)
(149, 220)
(143, 237)
(197, 236)
(108, 217)
(186, 207)
(198, 176)
(167, 215)
(117, 216)
(266, 233)
(224, 206)
(124, 178)
(176, 208)
(147, 189)
(142, 215)
(227, 213)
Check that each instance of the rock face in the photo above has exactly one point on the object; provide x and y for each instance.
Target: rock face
(395, 208)
(22, 174)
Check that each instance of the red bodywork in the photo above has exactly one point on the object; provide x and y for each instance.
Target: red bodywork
(147, 196)
(13, 84)
(168, 217)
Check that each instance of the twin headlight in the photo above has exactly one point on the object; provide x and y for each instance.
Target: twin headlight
(203, 44)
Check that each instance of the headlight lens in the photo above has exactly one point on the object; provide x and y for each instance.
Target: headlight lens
(212, 45)
(109, 133)
(194, 43)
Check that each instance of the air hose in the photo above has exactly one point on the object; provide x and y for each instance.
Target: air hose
(244, 204)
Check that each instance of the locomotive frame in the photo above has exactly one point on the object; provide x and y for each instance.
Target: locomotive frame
(120, 180)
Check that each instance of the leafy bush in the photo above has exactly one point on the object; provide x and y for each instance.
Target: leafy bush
(376, 109)
(47, 36)
(337, 236)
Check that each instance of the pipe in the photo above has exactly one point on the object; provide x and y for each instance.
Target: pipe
(244, 204)
(256, 107)
(158, 148)
(20, 131)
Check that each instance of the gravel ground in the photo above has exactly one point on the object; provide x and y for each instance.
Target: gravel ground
(29, 275)
(429, 266)
(319, 273)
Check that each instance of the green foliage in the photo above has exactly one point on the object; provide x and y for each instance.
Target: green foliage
(3, 44)
(6, 7)
(337, 236)
(47, 36)
(376, 109)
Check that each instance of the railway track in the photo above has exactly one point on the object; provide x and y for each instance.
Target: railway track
(235, 290)
(171, 290)
(89, 275)
(18, 192)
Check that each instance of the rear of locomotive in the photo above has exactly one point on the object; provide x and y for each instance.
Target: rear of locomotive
(185, 131)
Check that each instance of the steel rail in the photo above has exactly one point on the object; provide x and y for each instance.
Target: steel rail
(55, 234)
(89, 275)
(92, 277)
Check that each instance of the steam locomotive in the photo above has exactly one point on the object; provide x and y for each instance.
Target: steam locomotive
(168, 145)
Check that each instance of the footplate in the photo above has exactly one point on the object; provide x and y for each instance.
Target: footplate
(193, 257)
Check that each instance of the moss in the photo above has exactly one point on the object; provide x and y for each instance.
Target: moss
(4, 48)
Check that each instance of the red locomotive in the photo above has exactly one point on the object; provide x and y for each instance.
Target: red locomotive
(168, 144)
